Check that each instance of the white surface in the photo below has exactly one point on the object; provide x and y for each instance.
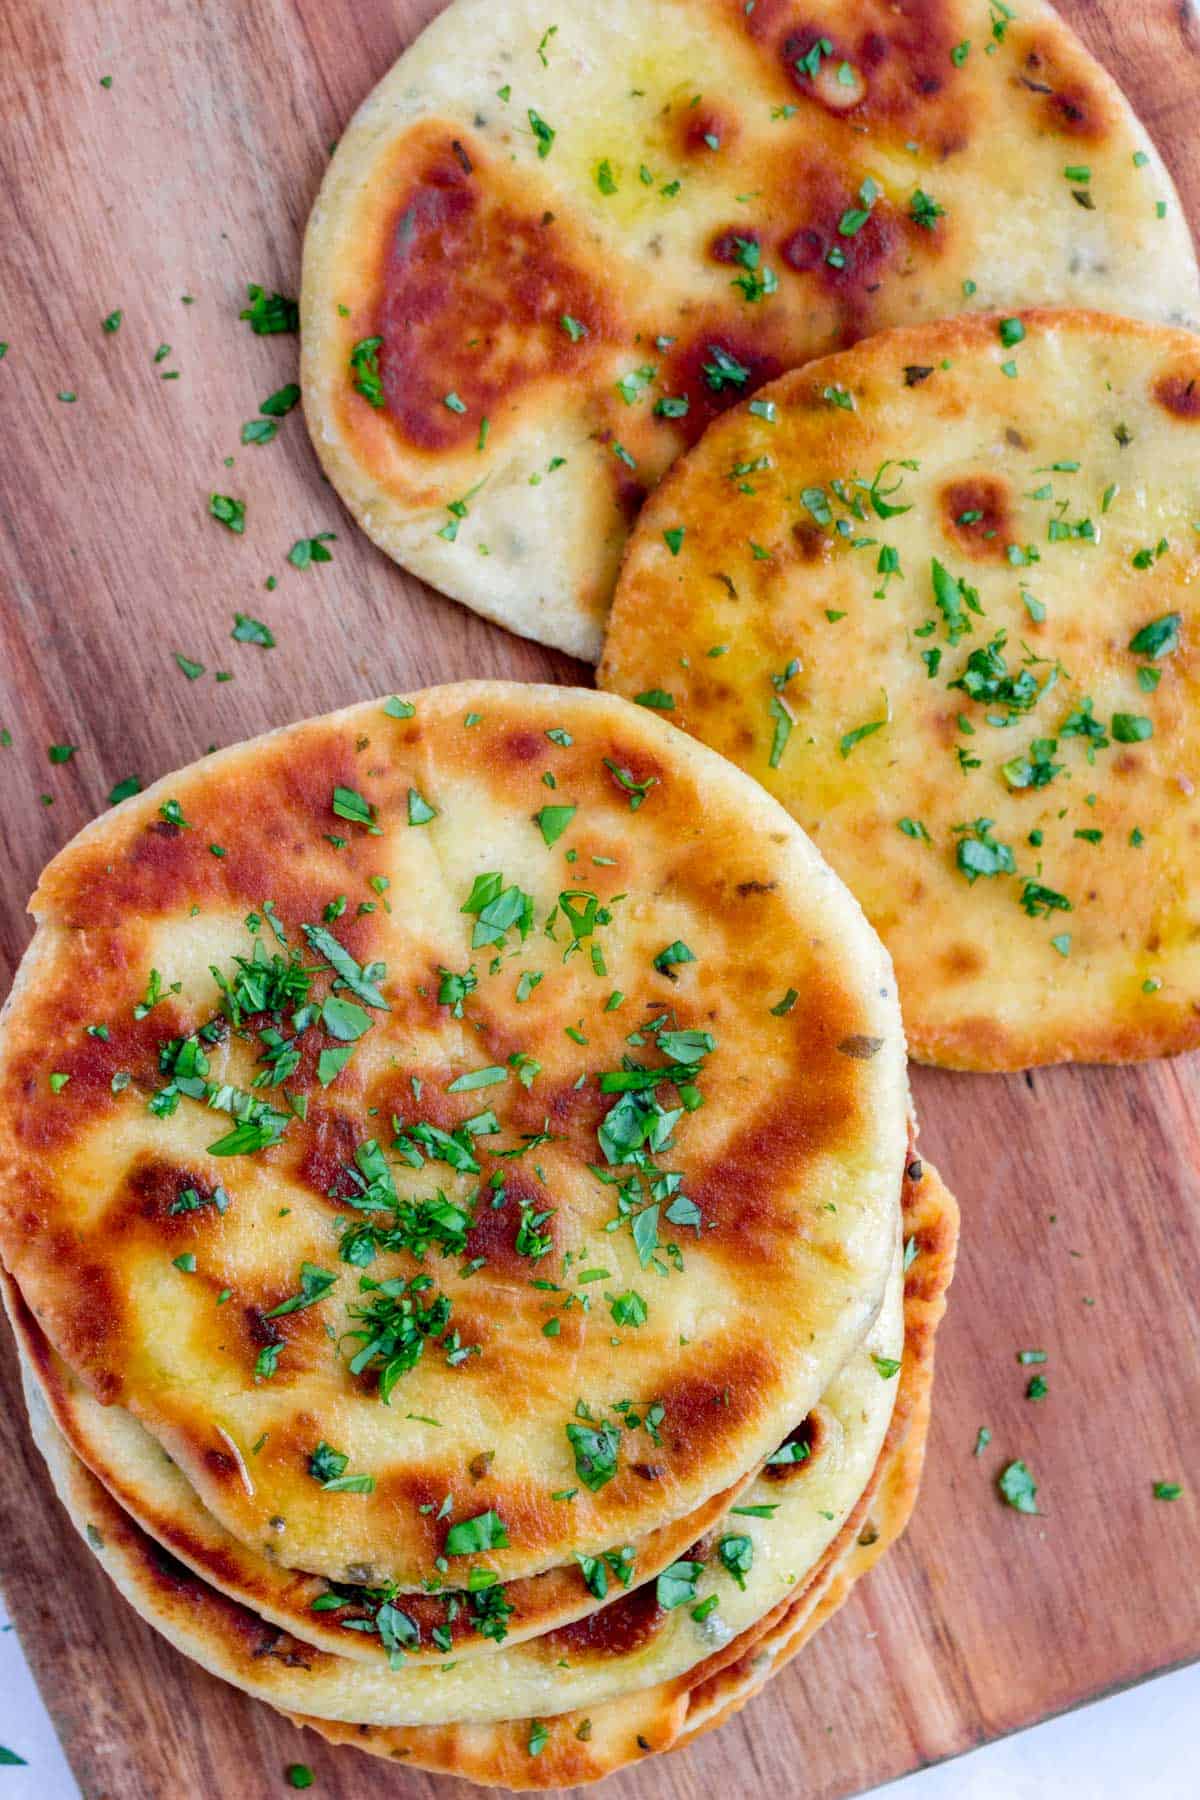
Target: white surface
(1144, 1743)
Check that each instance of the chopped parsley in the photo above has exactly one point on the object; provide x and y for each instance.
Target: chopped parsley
(419, 810)
(676, 1586)
(230, 512)
(543, 133)
(552, 821)
(349, 804)
(306, 551)
(315, 1284)
(736, 1552)
(980, 853)
(723, 370)
(252, 631)
(954, 599)
(364, 367)
(1018, 1488)
(268, 314)
(924, 210)
(486, 1531)
(597, 1450)
(392, 1326)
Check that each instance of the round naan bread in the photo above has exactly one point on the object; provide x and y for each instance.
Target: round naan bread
(544, 257)
(465, 1131)
(574, 1746)
(638, 1642)
(350, 1621)
(939, 595)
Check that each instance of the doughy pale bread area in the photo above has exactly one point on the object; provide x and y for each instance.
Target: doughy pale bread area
(542, 260)
(547, 1312)
(938, 594)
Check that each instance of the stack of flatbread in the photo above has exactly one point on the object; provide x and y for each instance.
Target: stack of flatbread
(474, 1277)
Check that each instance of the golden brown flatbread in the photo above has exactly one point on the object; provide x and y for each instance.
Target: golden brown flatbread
(145, 1482)
(940, 599)
(578, 1746)
(554, 1213)
(544, 258)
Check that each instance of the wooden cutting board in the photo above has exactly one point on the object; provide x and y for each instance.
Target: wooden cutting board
(191, 174)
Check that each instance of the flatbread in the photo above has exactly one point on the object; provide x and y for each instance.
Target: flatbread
(715, 1700)
(110, 1219)
(634, 1644)
(549, 230)
(144, 1481)
(931, 1224)
(979, 693)
(579, 1746)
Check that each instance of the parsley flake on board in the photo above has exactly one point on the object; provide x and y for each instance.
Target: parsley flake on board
(268, 314)
(306, 551)
(252, 631)
(1018, 1488)
(229, 512)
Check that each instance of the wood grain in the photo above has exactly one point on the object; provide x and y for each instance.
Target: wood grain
(191, 175)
